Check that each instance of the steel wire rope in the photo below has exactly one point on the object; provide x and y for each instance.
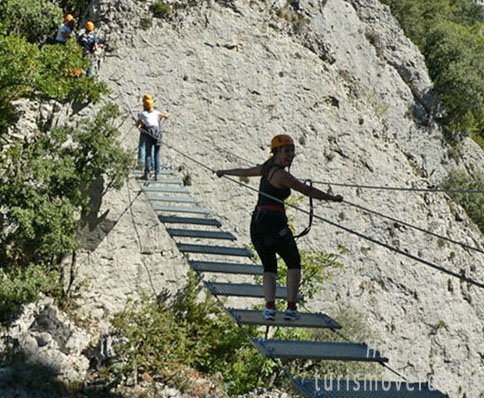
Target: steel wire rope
(217, 147)
(432, 190)
(138, 236)
(349, 230)
(298, 209)
(464, 245)
(439, 268)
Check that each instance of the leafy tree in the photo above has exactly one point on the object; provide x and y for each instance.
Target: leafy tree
(473, 204)
(448, 32)
(44, 191)
(455, 57)
(177, 336)
(51, 73)
(34, 20)
(45, 180)
(44, 185)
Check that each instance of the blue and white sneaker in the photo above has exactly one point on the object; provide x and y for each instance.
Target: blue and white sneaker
(291, 315)
(269, 314)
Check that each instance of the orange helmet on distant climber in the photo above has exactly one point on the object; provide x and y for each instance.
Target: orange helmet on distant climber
(280, 141)
(147, 97)
(89, 26)
(69, 18)
(148, 103)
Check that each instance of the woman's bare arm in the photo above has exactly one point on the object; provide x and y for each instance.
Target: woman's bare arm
(248, 172)
(284, 179)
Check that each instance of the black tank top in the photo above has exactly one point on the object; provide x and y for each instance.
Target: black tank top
(266, 187)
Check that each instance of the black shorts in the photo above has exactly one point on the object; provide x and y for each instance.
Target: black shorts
(271, 235)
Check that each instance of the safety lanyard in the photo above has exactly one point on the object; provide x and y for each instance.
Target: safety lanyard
(311, 213)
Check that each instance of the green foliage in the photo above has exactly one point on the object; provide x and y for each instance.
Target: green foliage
(78, 8)
(472, 203)
(146, 23)
(317, 267)
(190, 335)
(34, 20)
(417, 17)
(23, 286)
(44, 184)
(50, 73)
(448, 33)
(455, 57)
(160, 9)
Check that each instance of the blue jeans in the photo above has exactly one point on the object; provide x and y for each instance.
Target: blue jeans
(152, 151)
(142, 150)
(90, 69)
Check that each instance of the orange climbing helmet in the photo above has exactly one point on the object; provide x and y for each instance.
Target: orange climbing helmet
(89, 26)
(148, 103)
(69, 18)
(280, 141)
(147, 97)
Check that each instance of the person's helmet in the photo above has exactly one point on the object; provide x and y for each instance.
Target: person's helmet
(147, 97)
(89, 26)
(148, 103)
(280, 141)
(69, 18)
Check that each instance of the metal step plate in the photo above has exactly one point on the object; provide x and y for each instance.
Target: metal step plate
(241, 290)
(195, 233)
(180, 209)
(172, 199)
(227, 268)
(307, 320)
(189, 220)
(156, 188)
(163, 172)
(289, 349)
(219, 250)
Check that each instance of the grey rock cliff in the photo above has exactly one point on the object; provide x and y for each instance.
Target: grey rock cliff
(355, 91)
(355, 94)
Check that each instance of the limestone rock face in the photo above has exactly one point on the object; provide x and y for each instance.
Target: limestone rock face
(341, 78)
(49, 342)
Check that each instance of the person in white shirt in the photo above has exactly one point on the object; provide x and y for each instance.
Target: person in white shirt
(149, 125)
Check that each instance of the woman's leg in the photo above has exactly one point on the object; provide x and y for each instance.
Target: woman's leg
(148, 155)
(269, 288)
(289, 252)
(157, 160)
(268, 258)
(293, 282)
(142, 149)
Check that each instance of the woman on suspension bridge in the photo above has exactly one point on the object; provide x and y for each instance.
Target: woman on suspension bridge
(269, 230)
(150, 136)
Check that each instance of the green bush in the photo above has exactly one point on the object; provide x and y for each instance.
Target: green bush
(473, 204)
(160, 9)
(176, 337)
(34, 20)
(448, 33)
(44, 184)
(20, 286)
